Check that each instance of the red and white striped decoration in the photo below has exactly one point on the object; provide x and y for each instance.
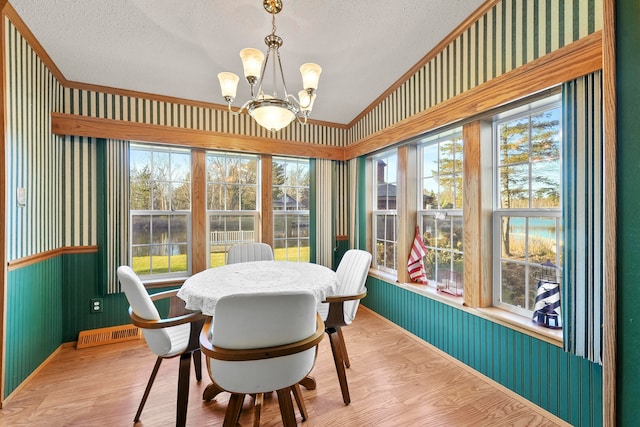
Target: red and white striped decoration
(415, 265)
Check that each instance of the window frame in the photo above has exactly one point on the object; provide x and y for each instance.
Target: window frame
(240, 213)
(187, 214)
(553, 102)
(387, 214)
(299, 213)
(454, 283)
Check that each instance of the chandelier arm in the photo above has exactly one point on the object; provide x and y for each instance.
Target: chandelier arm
(237, 112)
(302, 122)
(284, 84)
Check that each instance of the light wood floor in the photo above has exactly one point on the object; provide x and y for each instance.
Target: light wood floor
(395, 380)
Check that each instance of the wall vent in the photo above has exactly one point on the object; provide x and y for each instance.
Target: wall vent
(110, 335)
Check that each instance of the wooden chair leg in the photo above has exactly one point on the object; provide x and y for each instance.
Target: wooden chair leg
(257, 409)
(297, 393)
(286, 407)
(345, 355)
(233, 410)
(197, 364)
(183, 389)
(211, 391)
(334, 339)
(154, 372)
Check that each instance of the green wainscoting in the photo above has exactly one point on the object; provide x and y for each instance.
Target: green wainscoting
(565, 385)
(34, 319)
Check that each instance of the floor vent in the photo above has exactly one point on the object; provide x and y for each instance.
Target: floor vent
(111, 335)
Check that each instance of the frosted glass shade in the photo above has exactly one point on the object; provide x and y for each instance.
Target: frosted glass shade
(252, 62)
(228, 84)
(306, 102)
(272, 117)
(310, 75)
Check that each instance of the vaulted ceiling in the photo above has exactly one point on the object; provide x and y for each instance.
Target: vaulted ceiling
(177, 49)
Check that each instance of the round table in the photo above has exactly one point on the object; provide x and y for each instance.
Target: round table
(203, 290)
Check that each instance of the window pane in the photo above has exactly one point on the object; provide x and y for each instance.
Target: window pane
(457, 237)
(180, 166)
(514, 187)
(429, 230)
(161, 196)
(545, 184)
(178, 228)
(542, 239)
(513, 237)
(513, 284)
(430, 160)
(161, 166)
(545, 135)
(181, 196)
(140, 229)
(514, 141)
(444, 233)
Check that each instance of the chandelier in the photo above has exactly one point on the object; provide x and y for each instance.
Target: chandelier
(268, 109)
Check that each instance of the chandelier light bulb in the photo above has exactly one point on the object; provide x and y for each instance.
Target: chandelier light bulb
(252, 63)
(228, 85)
(310, 75)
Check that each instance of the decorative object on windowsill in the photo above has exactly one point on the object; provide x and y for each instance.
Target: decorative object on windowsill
(415, 264)
(547, 305)
(450, 282)
(269, 110)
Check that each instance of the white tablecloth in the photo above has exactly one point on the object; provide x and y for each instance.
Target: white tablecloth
(203, 290)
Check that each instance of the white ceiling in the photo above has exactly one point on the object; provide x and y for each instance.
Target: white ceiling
(176, 48)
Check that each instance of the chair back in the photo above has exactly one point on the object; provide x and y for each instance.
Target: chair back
(159, 340)
(245, 252)
(251, 321)
(352, 275)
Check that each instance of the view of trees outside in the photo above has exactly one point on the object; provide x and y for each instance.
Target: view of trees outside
(529, 211)
(385, 216)
(441, 207)
(160, 205)
(233, 190)
(291, 184)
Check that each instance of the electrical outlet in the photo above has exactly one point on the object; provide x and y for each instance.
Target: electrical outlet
(96, 305)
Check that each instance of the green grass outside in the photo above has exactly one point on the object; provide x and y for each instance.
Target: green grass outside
(217, 259)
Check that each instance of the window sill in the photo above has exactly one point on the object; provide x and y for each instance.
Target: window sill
(496, 315)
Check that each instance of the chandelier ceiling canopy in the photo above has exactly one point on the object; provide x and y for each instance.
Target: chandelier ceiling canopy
(271, 110)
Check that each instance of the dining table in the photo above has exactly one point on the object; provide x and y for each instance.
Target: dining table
(203, 290)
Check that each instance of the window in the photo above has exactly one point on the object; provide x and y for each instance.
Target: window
(291, 181)
(160, 210)
(385, 215)
(440, 209)
(527, 217)
(233, 190)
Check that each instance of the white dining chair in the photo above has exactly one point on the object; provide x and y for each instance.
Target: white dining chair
(258, 343)
(245, 252)
(170, 337)
(340, 309)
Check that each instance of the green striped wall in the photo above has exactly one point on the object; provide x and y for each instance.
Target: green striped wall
(147, 111)
(511, 34)
(34, 319)
(33, 154)
(567, 386)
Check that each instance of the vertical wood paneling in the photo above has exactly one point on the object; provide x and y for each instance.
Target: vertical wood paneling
(567, 386)
(33, 304)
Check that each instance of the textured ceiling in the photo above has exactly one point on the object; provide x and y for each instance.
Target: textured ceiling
(176, 48)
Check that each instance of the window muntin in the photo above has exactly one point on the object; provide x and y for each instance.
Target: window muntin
(385, 215)
(527, 217)
(440, 209)
(160, 210)
(233, 202)
(291, 184)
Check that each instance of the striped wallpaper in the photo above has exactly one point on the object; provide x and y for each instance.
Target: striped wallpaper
(34, 156)
(148, 111)
(512, 33)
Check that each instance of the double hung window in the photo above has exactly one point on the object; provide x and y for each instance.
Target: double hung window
(291, 183)
(385, 214)
(160, 210)
(233, 202)
(527, 220)
(440, 209)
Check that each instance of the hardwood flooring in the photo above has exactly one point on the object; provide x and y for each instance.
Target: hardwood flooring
(395, 379)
